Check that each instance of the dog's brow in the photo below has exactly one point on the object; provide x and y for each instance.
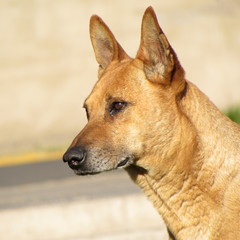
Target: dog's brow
(111, 99)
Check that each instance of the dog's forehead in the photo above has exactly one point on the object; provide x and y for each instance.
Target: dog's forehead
(122, 74)
(119, 81)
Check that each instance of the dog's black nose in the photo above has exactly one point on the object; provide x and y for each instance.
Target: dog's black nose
(75, 157)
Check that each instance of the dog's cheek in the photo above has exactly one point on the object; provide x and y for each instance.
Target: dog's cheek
(133, 142)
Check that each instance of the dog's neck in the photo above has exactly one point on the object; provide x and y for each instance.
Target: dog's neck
(182, 194)
(172, 188)
(173, 198)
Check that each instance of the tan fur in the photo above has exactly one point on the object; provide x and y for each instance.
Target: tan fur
(174, 143)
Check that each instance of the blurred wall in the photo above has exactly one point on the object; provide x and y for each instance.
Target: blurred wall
(47, 66)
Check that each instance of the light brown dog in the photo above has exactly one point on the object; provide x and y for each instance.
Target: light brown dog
(144, 116)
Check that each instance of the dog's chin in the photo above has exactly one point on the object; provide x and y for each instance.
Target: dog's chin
(84, 173)
(126, 162)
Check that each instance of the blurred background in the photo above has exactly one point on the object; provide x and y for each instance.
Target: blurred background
(47, 68)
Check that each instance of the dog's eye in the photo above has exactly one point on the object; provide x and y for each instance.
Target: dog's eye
(116, 107)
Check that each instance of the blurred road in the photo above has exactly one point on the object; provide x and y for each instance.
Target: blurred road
(46, 201)
(51, 181)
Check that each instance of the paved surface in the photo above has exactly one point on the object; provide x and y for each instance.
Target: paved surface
(48, 182)
(46, 201)
(34, 173)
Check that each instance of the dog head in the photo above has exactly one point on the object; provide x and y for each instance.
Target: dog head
(132, 110)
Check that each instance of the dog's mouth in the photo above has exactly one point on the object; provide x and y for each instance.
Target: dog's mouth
(124, 163)
(127, 161)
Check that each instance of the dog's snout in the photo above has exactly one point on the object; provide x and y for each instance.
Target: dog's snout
(75, 157)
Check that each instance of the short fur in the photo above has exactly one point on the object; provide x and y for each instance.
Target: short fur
(144, 116)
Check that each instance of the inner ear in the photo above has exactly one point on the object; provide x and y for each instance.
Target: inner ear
(161, 64)
(105, 46)
(155, 50)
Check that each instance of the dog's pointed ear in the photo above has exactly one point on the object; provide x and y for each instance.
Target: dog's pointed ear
(160, 61)
(105, 46)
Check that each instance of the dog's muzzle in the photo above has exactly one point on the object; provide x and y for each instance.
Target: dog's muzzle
(75, 157)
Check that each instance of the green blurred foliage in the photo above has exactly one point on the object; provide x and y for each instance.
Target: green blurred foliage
(233, 113)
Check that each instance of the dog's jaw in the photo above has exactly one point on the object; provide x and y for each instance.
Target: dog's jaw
(123, 163)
